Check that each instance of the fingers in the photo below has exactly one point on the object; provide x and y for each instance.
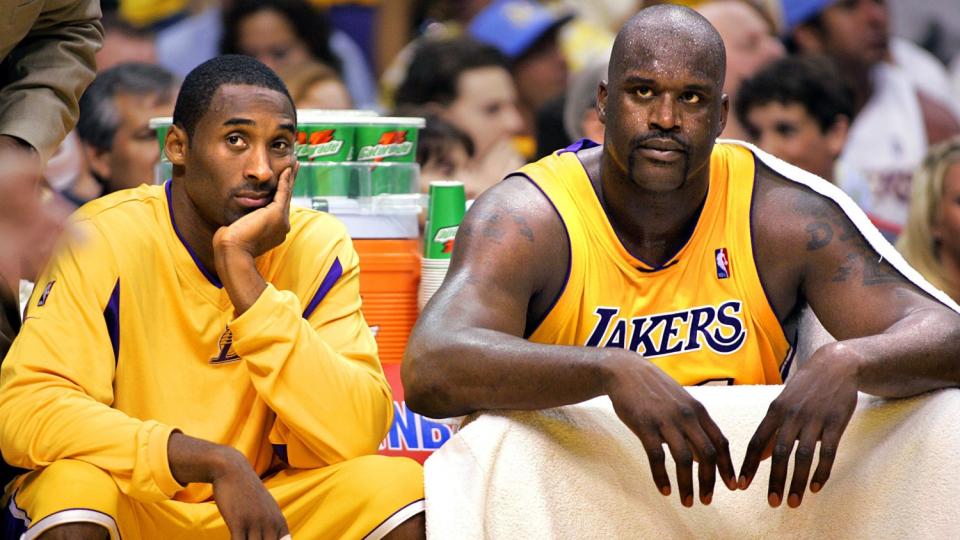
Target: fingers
(782, 449)
(285, 186)
(724, 462)
(683, 457)
(803, 460)
(760, 441)
(653, 444)
(828, 451)
(705, 454)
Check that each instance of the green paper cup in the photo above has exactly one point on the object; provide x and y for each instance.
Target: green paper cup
(164, 168)
(322, 141)
(444, 214)
(389, 140)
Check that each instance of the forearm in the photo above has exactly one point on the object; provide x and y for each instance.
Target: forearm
(45, 421)
(237, 270)
(451, 373)
(919, 353)
(335, 402)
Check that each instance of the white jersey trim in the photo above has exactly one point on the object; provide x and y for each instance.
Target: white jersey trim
(74, 515)
(396, 519)
(854, 212)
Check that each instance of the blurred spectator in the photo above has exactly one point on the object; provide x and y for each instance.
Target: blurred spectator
(316, 86)
(751, 44)
(443, 150)
(798, 109)
(46, 61)
(120, 148)
(896, 119)
(551, 135)
(526, 33)
(287, 33)
(467, 83)
(931, 238)
(19, 206)
(580, 118)
(123, 43)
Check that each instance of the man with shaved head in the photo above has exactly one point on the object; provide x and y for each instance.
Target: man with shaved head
(662, 259)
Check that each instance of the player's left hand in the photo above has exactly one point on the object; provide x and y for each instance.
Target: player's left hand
(264, 228)
(815, 405)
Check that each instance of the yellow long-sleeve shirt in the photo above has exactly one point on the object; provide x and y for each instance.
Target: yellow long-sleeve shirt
(127, 337)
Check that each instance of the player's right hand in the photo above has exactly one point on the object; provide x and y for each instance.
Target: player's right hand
(248, 509)
(658, 411)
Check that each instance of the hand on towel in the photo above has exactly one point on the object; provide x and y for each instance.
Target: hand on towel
(659, 411)
(815, 405)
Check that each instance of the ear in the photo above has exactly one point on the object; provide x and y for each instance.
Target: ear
(837, 135)
(98, 161)
(176, 146)
(724, 112)
(602, 102)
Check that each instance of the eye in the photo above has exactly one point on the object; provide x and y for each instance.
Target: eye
(690, 97)
(644, 91)
(281, 145)
(234, 139)
(784, 129)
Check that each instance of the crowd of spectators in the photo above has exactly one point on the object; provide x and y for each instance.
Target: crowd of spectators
(859, 92)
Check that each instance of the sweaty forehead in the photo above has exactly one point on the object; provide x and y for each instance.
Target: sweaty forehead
(673, 41)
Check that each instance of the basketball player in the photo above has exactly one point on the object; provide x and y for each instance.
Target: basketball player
(691, 253)
(195, 364)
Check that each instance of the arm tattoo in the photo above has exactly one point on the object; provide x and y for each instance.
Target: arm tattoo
(859, 252)
(493, 227)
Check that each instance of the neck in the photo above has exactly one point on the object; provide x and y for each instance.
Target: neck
(652, 226)
(195, 232)
(9, 266)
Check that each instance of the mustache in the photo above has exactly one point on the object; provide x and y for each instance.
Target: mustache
(639, 140)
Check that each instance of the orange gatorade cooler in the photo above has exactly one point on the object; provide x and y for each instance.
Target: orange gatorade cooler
(389, 278)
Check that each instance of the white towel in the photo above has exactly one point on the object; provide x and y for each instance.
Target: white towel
(578, 472)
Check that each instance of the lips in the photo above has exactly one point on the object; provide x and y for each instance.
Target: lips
(663, 145)
(253, 199)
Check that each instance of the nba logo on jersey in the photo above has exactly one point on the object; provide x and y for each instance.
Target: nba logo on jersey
(723, 263)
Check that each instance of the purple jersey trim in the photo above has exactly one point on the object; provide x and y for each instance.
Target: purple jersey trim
(579, 145)
(280, 450)
(211, 277)
(336, 270)
(566, 280)
(111, 315)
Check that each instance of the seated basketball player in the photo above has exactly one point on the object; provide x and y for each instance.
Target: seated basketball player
(194, 364)
(695, 255)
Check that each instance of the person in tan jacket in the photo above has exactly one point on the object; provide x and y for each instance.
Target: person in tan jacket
(47, 52)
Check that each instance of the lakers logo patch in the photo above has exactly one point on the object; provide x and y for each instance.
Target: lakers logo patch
(226, 353)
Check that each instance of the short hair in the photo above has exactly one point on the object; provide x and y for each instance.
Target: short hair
(811, 81)
(436, 67)
(203, 82)
(309, 24)
(99, 117)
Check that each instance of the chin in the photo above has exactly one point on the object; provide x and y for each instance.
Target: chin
(658, 177)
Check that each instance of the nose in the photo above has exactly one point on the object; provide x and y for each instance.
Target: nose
(257, 166)
(512, 121)
(663, 114)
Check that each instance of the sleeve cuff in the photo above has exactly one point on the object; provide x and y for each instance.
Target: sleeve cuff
(159, 463)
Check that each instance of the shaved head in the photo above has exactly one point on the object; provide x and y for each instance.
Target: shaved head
(671, 34)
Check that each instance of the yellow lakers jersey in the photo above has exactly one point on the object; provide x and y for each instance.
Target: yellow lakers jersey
(127, 337)
(702, 317)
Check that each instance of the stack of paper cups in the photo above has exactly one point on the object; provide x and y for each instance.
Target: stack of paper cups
(444, 214)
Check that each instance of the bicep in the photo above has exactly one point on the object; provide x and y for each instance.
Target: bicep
(857, 287)
(502, 249)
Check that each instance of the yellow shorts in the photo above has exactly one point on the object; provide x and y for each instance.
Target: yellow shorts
(364, 497)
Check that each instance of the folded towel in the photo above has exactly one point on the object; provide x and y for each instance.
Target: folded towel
(578, 472)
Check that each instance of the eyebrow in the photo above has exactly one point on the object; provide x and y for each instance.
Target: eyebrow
(696, 87)
(287, 126)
